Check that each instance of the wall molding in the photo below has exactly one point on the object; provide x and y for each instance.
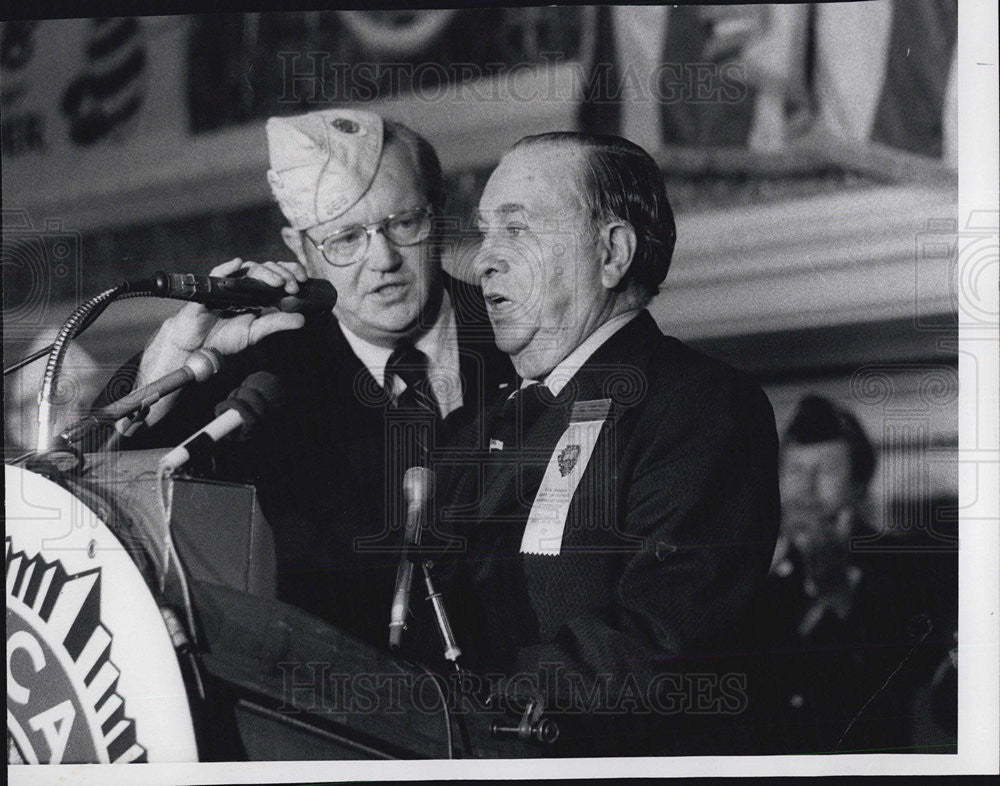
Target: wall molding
(861, 255)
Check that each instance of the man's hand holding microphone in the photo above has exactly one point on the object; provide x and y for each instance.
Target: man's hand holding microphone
(197, 327)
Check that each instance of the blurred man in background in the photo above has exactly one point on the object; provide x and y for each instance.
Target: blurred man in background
(407, 350)
(833, 622)
(827, 463)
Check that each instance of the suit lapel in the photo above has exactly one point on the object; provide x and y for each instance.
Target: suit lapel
(344, 385)
(616, 371)
(511, 472)
(351, 372)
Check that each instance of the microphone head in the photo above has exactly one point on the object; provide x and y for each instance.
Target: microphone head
(418, 485)
(204, 363)
(260, 395)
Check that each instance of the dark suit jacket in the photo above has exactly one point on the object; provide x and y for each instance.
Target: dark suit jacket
(326, 466)
(668, 536)
(846, 685)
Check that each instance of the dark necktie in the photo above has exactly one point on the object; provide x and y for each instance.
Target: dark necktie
(509, 431)
(512, 423)
(415, 411)
(410, 365)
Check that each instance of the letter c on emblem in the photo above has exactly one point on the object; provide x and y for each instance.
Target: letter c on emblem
(22, 640)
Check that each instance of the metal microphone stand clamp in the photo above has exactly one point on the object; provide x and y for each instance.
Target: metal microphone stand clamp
(533, 727)
(422, 558)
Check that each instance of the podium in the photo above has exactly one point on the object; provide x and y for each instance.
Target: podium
(296, 688)
(264, 680)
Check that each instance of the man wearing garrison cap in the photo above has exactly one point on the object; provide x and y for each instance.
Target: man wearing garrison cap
(371, 388)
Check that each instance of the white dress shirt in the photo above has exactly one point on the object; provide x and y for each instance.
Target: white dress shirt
(439, 343)
(557, 378)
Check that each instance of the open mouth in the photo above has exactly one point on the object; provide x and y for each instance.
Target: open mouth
(496, 300)
(390, 290)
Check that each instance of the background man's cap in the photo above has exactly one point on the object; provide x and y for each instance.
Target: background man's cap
(322, 162)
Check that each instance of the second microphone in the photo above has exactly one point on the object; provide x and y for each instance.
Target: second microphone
(260, 395)
(314, 295)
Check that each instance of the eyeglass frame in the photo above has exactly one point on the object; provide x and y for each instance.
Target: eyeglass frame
(370, 230)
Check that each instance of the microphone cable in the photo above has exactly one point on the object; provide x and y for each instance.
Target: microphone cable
(436, 679)
(920, 619)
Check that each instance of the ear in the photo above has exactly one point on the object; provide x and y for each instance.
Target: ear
(293, 239)
(619, 243)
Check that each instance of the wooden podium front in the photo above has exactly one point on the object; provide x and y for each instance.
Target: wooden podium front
(299, 689)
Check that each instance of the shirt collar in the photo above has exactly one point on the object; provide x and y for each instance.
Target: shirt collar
(556, 379)
(372, 355)
(439, 343)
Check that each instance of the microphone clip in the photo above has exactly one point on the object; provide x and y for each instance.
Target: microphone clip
(533, 727)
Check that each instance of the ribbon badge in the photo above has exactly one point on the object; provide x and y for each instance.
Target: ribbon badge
(543, 532)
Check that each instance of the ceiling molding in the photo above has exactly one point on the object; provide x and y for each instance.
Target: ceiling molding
(868, 255)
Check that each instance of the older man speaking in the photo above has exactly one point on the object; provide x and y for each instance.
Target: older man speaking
(625, 506)
(371, 388)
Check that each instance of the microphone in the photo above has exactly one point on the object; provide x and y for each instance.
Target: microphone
(259, 395)
(418, 485)
(199, 366)
(314, 295)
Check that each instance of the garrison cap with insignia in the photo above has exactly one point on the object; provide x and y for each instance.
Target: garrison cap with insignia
(322, 163)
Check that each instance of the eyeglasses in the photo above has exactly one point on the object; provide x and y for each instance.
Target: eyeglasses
(346, 246)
